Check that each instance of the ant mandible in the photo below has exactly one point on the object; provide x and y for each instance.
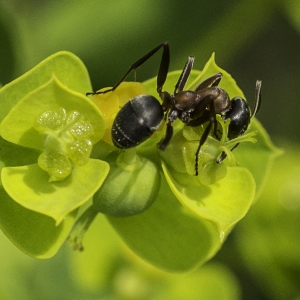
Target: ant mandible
(139, 118)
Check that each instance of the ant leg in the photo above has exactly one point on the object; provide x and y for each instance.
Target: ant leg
(205, 134)
(216, 129)
(162, 73)
(166, 139)
(213, 80)
(200, 120)
(224, 155)
(163, 67)
(202, 141)
(184, 76)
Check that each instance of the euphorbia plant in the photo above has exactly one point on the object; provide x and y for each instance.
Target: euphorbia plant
(57, 156)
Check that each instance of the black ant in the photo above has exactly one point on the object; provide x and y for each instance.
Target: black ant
(139, 118)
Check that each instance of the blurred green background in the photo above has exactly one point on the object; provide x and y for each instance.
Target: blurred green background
(253, 39)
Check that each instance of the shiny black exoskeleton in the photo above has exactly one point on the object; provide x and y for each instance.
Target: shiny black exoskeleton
(138, 119)
(142, 115)
(240, 116)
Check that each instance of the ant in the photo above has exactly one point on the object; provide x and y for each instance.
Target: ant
(139, 118)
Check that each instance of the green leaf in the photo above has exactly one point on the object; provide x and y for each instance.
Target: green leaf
(167, 235)
(10, 154)
(17, 126)
(223, 203)
(66, 67)
(103, 249)
(54, 199)
(227, 82)
(258, 157)
(35, 234)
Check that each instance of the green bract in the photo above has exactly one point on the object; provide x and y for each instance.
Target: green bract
(47, 129)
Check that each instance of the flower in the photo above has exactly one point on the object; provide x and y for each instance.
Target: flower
(58, 159)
